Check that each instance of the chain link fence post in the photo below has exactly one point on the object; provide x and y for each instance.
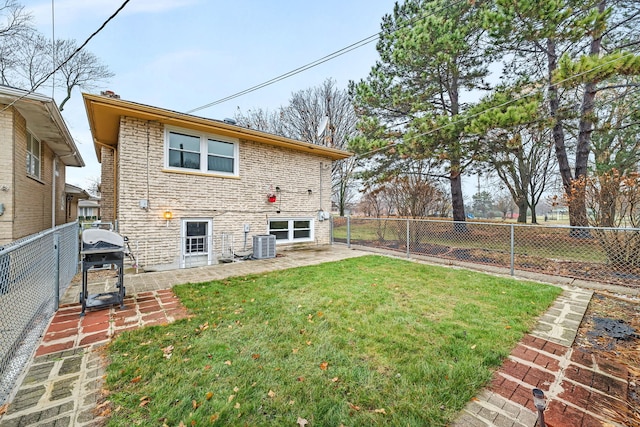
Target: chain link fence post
(331, 230)
(408, 240)
(349, 232)
(511, 250)
(56, 277)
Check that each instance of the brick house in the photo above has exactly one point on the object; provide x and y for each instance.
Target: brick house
(36, 147)
(187, 190)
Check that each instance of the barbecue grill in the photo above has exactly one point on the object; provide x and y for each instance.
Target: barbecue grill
(100, 247)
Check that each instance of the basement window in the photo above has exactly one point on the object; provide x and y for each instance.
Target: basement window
(292, 229)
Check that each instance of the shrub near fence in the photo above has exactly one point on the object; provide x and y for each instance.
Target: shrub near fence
(34, 272)
(608, 255)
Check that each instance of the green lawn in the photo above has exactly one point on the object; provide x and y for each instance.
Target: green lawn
(365, 341)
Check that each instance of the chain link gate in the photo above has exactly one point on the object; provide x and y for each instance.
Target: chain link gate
(607, 255)
(34, 272)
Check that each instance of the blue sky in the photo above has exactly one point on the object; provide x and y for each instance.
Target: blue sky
(182, 54)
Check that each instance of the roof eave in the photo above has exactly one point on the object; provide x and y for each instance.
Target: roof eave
(104, 115)
(45, 121)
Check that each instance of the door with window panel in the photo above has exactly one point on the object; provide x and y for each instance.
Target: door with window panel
(196, 242)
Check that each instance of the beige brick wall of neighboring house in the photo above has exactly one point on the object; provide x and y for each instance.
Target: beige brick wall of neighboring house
(107, 185)
(6, 173)
(27, 200)
(32, 211)
(61, 197)
(228, 202)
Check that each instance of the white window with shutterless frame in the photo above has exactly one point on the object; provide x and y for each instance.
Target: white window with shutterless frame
(191, 151)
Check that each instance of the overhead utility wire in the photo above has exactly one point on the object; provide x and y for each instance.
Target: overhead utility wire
(75, 52)
(317, 62)
(504, 104)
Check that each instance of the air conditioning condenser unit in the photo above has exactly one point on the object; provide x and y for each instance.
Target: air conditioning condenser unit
(264, 246)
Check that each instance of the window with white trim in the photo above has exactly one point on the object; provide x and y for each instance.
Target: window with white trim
(33, 156)
(189, 150)
(292, 229)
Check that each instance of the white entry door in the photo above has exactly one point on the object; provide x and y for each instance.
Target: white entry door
(197, 242)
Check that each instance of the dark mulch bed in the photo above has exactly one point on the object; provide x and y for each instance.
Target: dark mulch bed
(610, 330)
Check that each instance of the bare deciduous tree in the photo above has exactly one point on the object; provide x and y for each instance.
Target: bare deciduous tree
(321, 115)
(28, 59)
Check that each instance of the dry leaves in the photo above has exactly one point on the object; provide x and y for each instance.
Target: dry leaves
(144, 401)
(271, 393)
(136, 379)
(213, 418)
(354, 407)
(255, 356)
(209, 395)
(380, 411)
(167, 352)
(227, 362)
(324, 366)
(302, 422)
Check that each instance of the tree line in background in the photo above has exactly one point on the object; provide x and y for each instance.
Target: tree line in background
(28, 58)
(562, 119)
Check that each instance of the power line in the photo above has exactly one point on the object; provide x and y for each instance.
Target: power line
(319, 61)
(75, 52)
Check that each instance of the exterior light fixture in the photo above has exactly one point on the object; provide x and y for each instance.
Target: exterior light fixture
(540, 403)
(167, 215)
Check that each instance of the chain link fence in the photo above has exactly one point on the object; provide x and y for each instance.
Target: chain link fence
(34, 272)
(607, 255)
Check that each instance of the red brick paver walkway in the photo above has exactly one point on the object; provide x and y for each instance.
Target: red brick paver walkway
(583, 390)
(69, 330)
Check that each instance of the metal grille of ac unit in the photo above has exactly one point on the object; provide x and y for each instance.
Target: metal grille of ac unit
(264, 246)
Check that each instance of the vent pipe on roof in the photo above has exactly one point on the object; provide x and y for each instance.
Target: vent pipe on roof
(230, 121)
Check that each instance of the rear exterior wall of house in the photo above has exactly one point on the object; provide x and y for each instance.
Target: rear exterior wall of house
(300, 181)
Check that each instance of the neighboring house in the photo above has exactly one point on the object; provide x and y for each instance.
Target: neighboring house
(75, 195)
(89, 208)
(35, 148)
(186, 189)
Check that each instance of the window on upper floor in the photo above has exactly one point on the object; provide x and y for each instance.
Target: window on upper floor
(33, 156)
(212, 154)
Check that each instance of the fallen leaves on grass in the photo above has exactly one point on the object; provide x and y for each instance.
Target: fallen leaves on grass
(271, 393)
(167, 352)
(144, 401)
(302, 422)
(194, 404)
(255, 356)
(209, 395)
(354, 407)
(227, 362)
(136, 379)
(380, 411)
(324, 366)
